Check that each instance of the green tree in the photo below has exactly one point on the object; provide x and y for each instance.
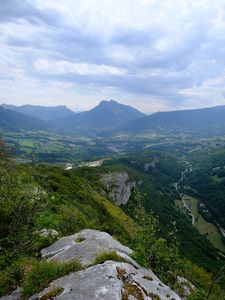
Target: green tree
(20, 201)
(159, 253)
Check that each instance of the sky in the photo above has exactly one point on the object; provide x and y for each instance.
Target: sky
(154, 55)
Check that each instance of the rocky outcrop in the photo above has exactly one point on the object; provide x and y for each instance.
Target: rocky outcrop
(111, 280)
(147, 166)
(118, 187)
(84, 246)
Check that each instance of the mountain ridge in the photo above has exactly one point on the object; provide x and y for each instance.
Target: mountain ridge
(45, 113)
(13, 120)
(198, 120)
(112, 118)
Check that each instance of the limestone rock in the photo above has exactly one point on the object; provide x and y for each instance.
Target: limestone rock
(118, 187)
(83, 246)
(147, 166)
(110, 281)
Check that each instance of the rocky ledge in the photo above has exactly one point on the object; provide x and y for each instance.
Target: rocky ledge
(110, 280)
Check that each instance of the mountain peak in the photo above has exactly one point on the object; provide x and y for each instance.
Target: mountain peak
(107, 114)
(109, 103)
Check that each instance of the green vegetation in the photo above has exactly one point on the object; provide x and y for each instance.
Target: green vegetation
(43, 272)
(35, 196)
(80, 239)
(111, 255)
(207, 183)
(34, 275)
(53, 293)
(205, 228)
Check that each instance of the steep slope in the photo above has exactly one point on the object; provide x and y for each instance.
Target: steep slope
(13, 120)
(204, 122)
(42, 112)
(207, 183)
(153, 175)
(108, 114)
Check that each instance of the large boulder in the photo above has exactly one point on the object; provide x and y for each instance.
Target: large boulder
(84, 246)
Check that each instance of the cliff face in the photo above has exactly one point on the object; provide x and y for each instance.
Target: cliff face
(111, 280)
(118, 187)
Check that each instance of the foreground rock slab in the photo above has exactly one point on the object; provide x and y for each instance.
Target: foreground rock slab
(109, 281)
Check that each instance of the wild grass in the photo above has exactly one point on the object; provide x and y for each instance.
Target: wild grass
(44, 272)
(111, 255)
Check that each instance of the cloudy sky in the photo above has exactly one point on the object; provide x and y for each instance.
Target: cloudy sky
(154, 55)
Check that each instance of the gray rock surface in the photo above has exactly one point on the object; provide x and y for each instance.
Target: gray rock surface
(15, 295)
(83, 246)
(186, 286)
(151, 165)
(118, 187)
(109, 281)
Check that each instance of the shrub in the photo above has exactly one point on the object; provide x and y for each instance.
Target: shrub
(12, 275)
(44, 272)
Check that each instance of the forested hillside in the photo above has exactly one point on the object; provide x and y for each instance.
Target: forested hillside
(36, 198)
(208, 182)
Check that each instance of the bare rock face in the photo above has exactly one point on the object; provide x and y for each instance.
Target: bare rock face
(118, 186)
(110, 281)
(83, 246)
(149, 166)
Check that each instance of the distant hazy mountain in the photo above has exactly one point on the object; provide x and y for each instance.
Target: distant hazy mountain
(13, 120)
(42, 112)
(206, 121)
(108, 114)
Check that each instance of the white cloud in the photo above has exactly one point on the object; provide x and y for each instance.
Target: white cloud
(65, 67)
(156, 55)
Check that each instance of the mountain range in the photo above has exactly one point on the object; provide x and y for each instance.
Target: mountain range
(114, 118)
(107, 115)
(13, 120)
(205, 121)
(42, 112)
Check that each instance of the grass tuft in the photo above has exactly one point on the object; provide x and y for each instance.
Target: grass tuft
(44, 272)
(53, 293)
(111, 255)
(79, 239)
